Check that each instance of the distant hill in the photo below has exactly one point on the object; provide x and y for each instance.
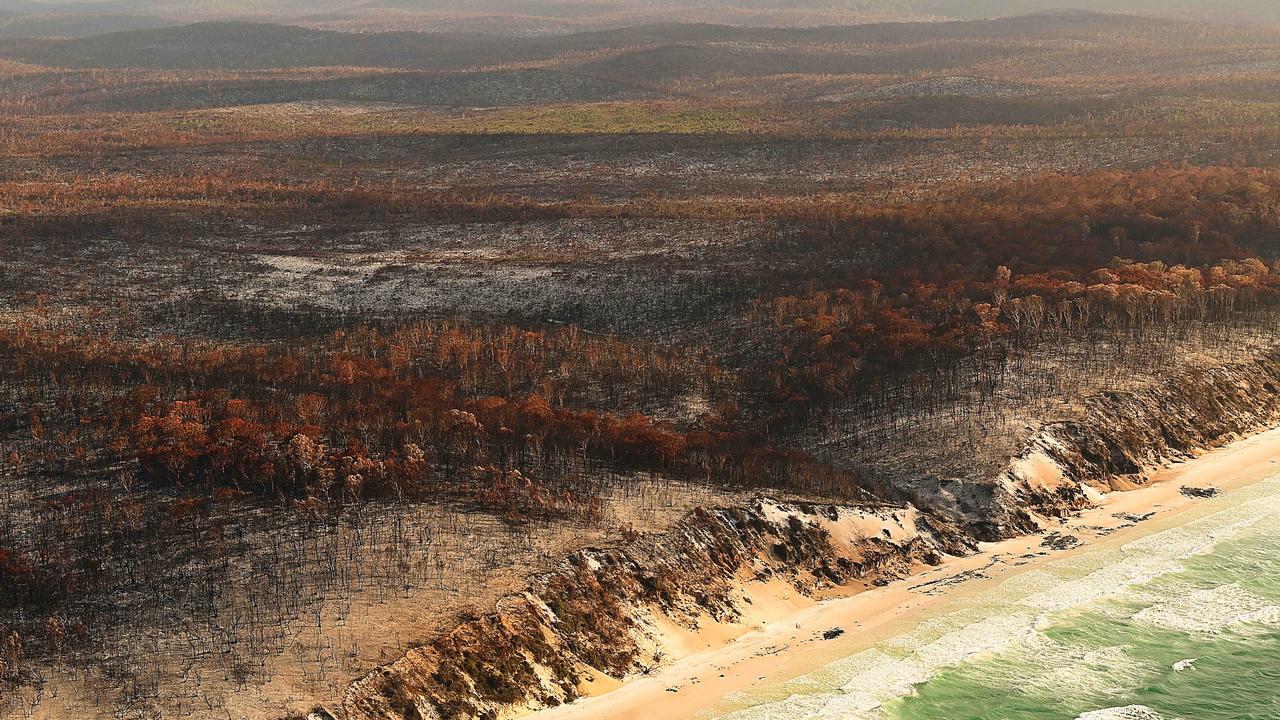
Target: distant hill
(454, 90)
(542, 17)
(971, 9)
(14, 25)
(23, 7)
(671, 62)
(662, 50)
(242, 46)
(1222, 10)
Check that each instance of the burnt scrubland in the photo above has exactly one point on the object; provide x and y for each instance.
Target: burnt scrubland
(409, 375)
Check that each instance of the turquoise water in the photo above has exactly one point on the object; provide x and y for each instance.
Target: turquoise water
(1182, 624)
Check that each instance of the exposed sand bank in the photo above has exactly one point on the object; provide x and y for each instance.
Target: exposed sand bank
(783, 637)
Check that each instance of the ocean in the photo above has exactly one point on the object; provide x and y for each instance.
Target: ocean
(1180, 624)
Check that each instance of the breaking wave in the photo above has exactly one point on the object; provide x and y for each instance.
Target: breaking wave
(1004, 640)
(1128, 712)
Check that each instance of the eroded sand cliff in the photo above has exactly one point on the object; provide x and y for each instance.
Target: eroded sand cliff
(608, 614)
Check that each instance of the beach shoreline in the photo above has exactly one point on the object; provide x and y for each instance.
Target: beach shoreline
(791, 635)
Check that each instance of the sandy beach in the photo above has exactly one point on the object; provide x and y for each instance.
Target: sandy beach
(783, 637)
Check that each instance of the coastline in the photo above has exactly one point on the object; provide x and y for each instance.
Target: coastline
(784, 639)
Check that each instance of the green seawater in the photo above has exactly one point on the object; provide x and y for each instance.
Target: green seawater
(1182, 624)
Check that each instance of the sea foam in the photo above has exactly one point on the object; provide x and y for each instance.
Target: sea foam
(1209, 610)
(1007, 624)
(1128, 712)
